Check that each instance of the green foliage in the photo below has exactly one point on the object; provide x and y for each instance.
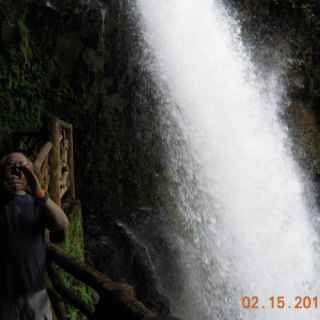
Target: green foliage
(20, 100)
(25, 47)
(26, 91)
(74, 245)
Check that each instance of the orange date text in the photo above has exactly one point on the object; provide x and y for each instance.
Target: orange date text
(280, 302)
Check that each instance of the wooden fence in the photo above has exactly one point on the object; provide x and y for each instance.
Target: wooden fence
(54, 164)
(116, 300)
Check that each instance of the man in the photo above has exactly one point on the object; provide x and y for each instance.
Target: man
(25, 211)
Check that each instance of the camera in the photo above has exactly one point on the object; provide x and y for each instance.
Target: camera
(16, 170)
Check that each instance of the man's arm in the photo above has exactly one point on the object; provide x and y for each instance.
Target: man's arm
(55, 218)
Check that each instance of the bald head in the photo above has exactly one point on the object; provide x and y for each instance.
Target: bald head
(14, 182)
(14, 157)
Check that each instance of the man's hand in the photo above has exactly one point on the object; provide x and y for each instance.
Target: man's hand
(31, 178)
(15, 184)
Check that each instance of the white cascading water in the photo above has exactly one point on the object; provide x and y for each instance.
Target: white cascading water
(258, 237)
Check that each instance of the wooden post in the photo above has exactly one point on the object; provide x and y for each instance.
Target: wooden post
(69, 129)
(55, 166)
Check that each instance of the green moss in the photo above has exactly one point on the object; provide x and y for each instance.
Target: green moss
(25, 46)
(27, 73)
(74, 246)
(20, 98)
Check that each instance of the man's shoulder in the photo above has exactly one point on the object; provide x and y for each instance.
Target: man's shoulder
(25, 202)
(23, 198)
(29, 206)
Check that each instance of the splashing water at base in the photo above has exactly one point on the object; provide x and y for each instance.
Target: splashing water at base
(257, 237)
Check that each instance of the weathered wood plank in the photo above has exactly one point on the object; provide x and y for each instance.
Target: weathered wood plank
(115, 297)
(57, 304)
(68, 295)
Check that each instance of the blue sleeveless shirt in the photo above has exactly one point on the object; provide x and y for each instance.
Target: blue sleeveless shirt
(22, 246)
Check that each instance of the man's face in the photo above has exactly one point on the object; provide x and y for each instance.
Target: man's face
(14, 179)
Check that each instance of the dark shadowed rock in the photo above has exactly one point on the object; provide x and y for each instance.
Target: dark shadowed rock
(124, 256)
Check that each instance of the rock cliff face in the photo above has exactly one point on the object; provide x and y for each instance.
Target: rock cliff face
(81, 61)
(285, 35)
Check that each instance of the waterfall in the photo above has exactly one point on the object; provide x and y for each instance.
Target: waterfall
(249, 226)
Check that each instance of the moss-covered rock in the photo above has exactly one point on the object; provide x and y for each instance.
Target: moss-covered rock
(74, 246)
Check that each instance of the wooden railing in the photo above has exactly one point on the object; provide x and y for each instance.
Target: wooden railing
(117, 300)
(54, 165)
(54, 162)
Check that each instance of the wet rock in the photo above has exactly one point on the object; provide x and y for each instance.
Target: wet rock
(9, 33)
(93, 60)
(67, 51)
(306, 136)
(91, 27)
(125, 257)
